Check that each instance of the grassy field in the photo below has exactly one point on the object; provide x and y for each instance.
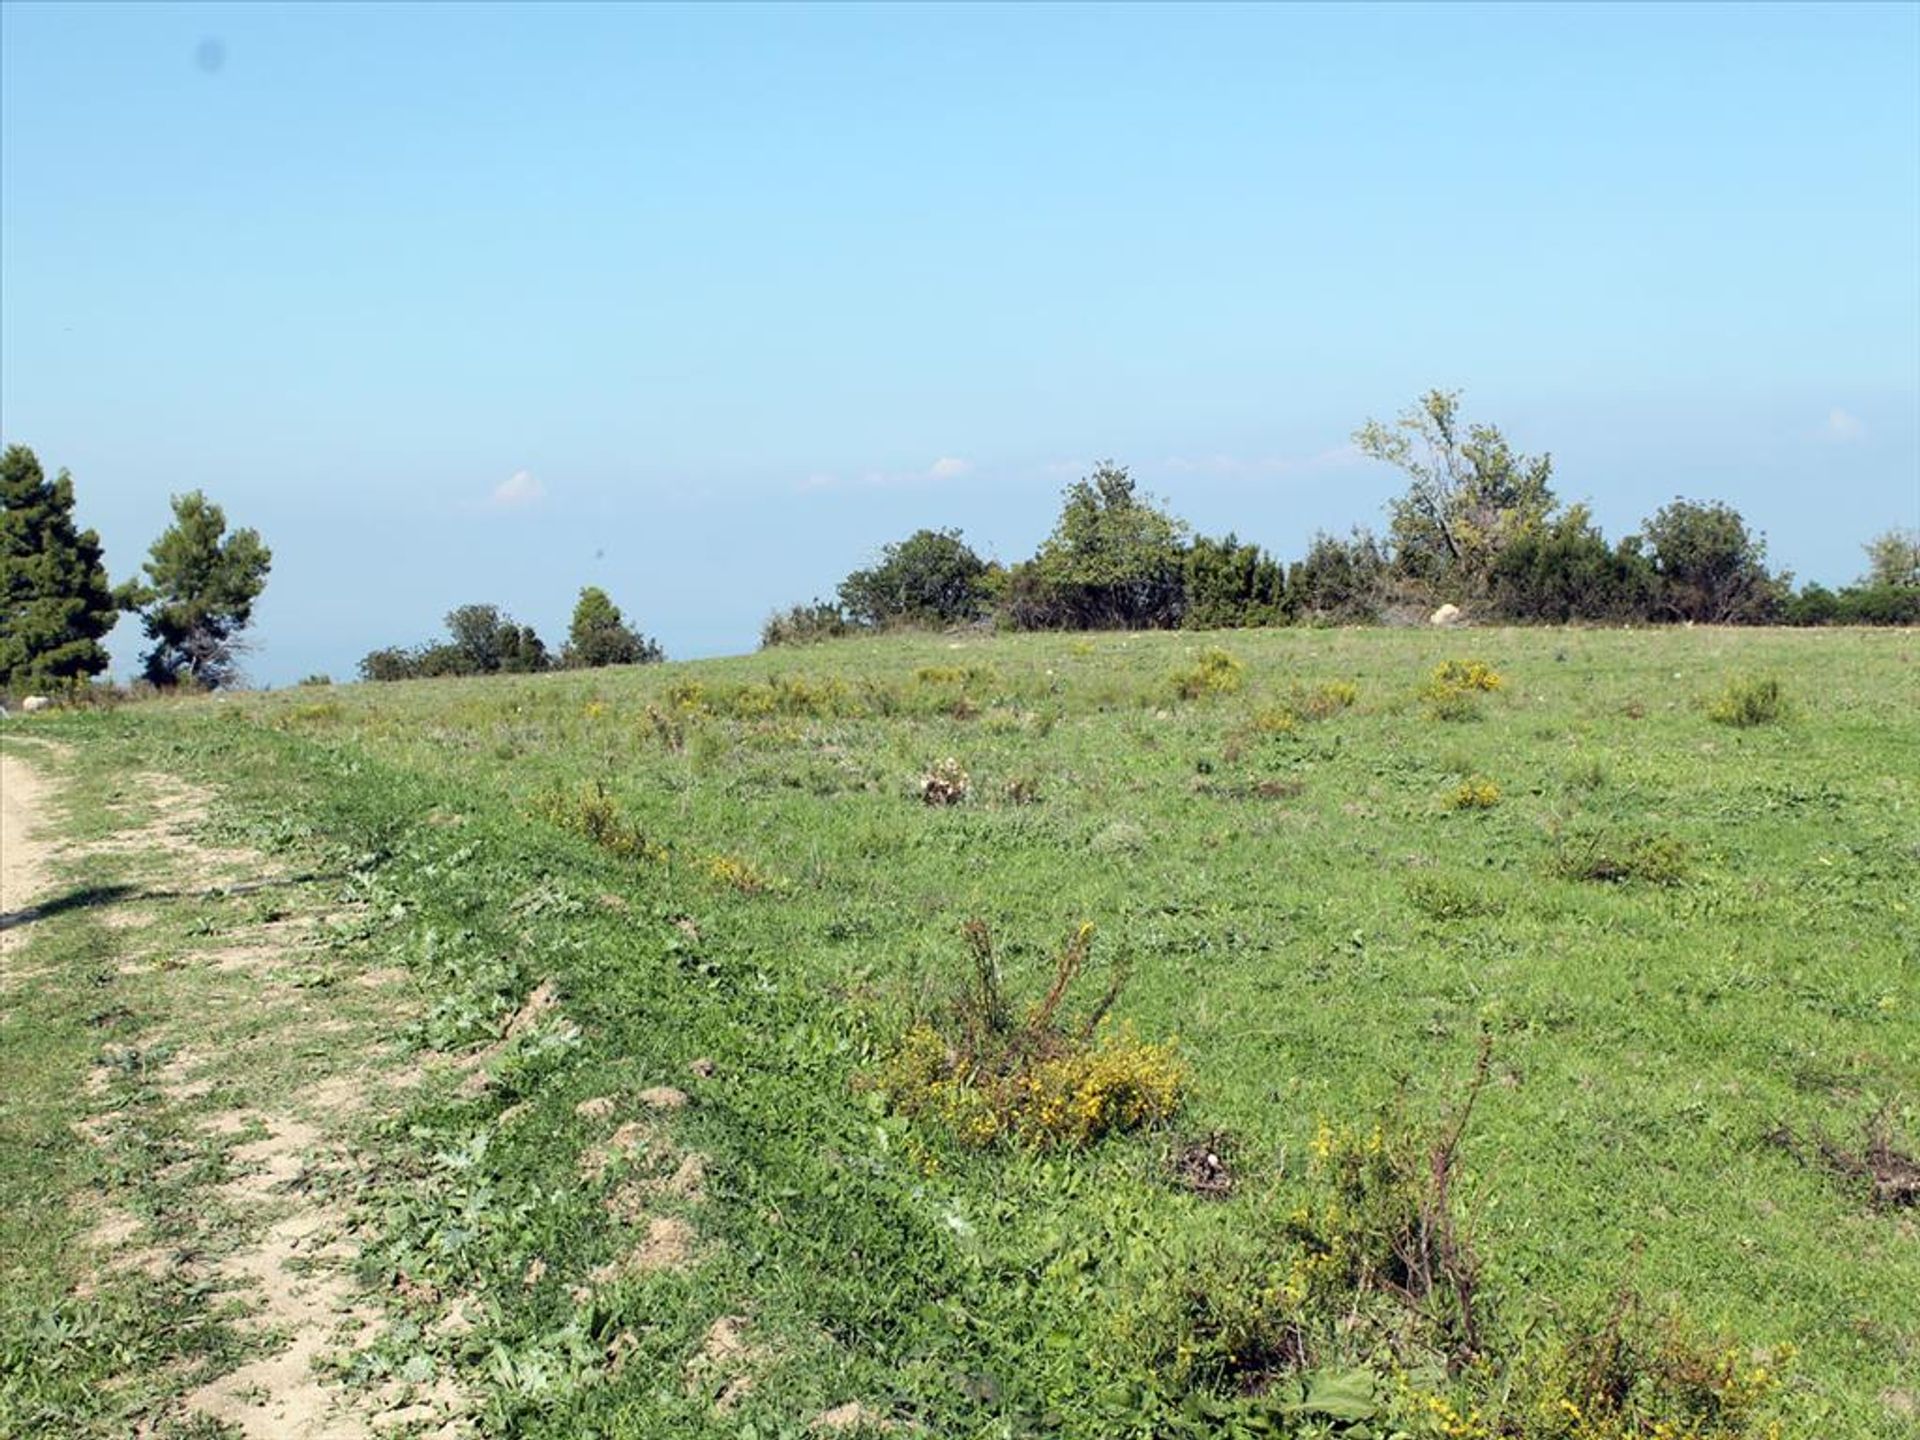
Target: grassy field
(1678, 937)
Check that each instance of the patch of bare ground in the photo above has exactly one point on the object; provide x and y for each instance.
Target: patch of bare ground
(851, 1417)
(25, 854)
(669, 1244)
(726, 1365)
(295, 1276)
(1890, 1177)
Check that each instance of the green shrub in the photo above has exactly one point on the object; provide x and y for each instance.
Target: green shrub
(1039, 1080)
(1474, 793)
(1655, 859)
(1214, 673)
(1750, 700)
(805, 625)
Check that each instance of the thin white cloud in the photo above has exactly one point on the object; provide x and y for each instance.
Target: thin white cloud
(947, 467)
(1843, 426)
(517, 491)
(1253, 467)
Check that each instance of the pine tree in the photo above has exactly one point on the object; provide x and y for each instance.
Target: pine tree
(201, 587)
(600, 635)
(57, 603)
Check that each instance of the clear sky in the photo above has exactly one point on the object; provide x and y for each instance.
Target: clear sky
(704, 305)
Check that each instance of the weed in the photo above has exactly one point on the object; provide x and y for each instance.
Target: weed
(1021, 790)
(1276, 720)
(1215, 672)
(1038, 1080)
(1586, 775)
(592, 813)
(1465, 675)
(1448, 900)
(1323, 702)
(1626, 1375)
(735, 874)
(1750, 700)
(1595, 856)
(945, 783)
(1474, 793)
(1452, 690)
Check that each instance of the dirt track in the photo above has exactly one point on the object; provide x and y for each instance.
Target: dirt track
(210, 970)
(23, 869)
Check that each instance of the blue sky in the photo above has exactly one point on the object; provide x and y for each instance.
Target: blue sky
(704, 305)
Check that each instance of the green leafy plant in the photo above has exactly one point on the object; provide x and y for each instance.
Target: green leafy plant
(1750, 700)
(1215, 672)
(1607, 859)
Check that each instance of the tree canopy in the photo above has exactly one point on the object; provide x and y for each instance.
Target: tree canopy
(600, 635)
(1469, 496)
(1114, 561)
(1710, 568)
(933, 577)
(56, 604)
(200, 588)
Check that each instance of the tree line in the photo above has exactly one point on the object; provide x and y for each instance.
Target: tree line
(1478, 527)
(484, 640)
(194, 596)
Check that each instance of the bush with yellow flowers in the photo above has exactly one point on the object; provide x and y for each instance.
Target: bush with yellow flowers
(1452, 690)
(1476, 792)
(986, 1075)
(1214, 672)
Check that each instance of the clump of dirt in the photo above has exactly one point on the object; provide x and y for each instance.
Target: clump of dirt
(1203, 1165)
(598, 1108)
(631, 1140)
(724, 1366)
(544, 997)
(629, 1202)
(850, 1416)
(669, 1244)
(663, 1097)
(1891, 1177)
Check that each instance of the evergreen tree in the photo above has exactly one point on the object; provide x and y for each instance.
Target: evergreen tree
(600, 635)
(199, 594)
(55, 602)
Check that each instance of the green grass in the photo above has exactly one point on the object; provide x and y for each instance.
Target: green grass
(1301, 905)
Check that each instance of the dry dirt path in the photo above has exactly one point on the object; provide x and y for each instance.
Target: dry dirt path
(261, 1043)
(23, 871)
